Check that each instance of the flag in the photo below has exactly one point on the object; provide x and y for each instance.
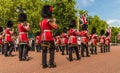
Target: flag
(109, 31)
(84, 19)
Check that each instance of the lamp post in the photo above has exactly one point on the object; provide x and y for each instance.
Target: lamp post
(21, 9)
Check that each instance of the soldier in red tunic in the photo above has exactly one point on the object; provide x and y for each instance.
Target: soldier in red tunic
(58, 43)
(1, 40)
(107, 42)
(102, 41)
(64, 41)
(23, 28)
(72, 40)
(93, 41)
(84, 44)
(8, 39)
(38, 42)
(47, 38)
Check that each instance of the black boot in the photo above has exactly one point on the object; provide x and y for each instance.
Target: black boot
(44, 66)
(52, 65)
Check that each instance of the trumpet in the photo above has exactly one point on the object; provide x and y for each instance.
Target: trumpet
(26, 24)
(53, 21)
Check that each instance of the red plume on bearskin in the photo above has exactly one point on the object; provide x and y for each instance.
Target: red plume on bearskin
(9, 24)
(72, 23)
(22, 17)
(46, 11)
(1, 29)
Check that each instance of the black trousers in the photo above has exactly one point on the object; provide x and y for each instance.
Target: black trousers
(58, 48)
(63, 48)
(2, 48)
(38, 47)
(51, 51)
(23, 51)
(8, 48)
(83, 48)
(102, 49)
(75, 48)
(107, 48)
(93, 49)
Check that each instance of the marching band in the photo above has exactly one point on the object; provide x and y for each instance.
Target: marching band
(45, 41)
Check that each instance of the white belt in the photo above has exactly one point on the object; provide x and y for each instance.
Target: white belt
(7, 34)
(22, 33)
(83, 37)
(72, 36)
(47, 30)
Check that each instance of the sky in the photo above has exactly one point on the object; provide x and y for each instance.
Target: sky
(108, 10)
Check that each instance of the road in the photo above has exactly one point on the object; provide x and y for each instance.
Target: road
(100, 63)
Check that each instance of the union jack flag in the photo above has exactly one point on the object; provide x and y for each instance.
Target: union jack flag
(109, 31)
(84, 19)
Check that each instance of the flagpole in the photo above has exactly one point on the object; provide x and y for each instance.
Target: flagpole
(78, 25)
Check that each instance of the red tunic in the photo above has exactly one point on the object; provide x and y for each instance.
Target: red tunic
(58, 41)
(23, 32)
(72, 39)
(37, 39)
(84, 35)
(46, 28)
(94, 39)
(0, 39)
(8, 34)
(107, 40)
(102, 39)
(64, 39)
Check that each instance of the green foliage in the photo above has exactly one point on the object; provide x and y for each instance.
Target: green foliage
(83, 12)
(8, 12)
(63, 10)
(115, 32)
(98, 23)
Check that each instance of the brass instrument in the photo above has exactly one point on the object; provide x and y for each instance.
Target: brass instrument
(53, 22)
(45, 44)
(73, 45)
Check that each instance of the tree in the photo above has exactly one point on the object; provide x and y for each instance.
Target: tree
(64, 11)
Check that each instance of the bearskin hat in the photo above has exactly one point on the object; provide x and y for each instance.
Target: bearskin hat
(37, 33)
(46, 11)
(64, 29)
(84, 27)
(22, 17)
(102, 32)
(9, 23)
(72, 23)
(107, 34)
(93, 30)
(1, 29)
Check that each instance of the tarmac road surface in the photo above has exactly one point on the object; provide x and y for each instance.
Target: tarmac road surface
(100, 63)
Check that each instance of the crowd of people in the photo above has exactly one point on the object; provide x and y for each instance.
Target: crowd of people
(70, 40)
